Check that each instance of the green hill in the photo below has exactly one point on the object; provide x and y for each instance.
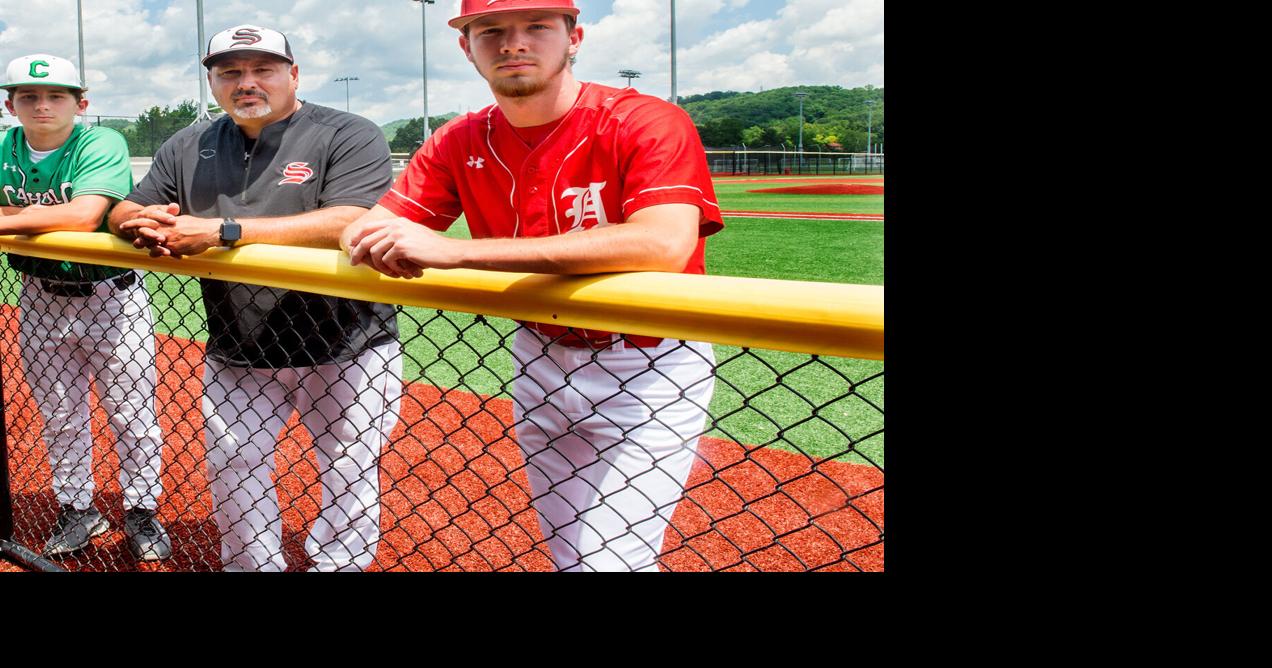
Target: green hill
(832, 115)
(390, 129)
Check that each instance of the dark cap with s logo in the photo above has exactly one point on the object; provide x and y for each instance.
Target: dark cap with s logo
(248, 39)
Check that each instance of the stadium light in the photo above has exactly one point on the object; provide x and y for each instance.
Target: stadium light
(346, 81)
(801, 97)
(424, 57)
(630, 74)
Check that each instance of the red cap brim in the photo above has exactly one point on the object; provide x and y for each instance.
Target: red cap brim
(459, 22)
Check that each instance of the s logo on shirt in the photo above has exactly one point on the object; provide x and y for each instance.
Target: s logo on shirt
(296, 172)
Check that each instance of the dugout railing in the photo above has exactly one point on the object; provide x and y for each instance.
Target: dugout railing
(739, 162)
(788, 473)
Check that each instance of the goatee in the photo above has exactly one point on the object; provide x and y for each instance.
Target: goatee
(525, 86)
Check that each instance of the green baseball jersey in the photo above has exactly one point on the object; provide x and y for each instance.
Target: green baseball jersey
(93, 161)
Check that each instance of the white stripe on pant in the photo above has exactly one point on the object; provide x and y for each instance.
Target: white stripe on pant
(108, 336)
(609, 443)
(349, 409)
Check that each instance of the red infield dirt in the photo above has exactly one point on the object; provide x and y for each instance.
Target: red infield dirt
(802, 215)
(798, 179)
(824, 189)
(454, 492)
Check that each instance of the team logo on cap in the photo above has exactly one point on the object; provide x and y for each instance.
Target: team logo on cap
(246, 36)
(36, 73)
(296, 172)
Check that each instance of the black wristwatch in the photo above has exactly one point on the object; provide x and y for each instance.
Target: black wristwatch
(231, 232)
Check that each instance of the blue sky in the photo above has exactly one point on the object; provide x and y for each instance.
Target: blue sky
(141, 53)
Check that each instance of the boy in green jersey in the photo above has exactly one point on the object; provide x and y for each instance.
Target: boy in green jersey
(80, 321)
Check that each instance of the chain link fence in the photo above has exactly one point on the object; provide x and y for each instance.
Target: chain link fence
(738, 162)
(473, 444)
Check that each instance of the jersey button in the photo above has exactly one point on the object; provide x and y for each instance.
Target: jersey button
(533, 189)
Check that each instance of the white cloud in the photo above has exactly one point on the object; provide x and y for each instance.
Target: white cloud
(141, 54)
(815, 42)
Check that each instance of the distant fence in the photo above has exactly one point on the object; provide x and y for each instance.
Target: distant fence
(738, 162)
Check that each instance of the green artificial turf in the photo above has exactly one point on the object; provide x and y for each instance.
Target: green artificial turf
(836, 251)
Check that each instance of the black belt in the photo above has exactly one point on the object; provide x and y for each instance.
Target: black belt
(70, 289)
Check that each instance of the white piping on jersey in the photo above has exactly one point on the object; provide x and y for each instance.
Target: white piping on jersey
(516, 215)
(669, 188)
(101, 191)
(554, 181)
(430, 211)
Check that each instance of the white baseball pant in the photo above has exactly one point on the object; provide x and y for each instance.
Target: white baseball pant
(108, 336)
(350, 410)
(609, 438)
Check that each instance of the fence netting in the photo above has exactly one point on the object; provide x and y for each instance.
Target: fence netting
(750, 162)
(474, 443)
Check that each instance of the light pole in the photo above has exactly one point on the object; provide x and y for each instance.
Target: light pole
(203, 81)
(869, 123)
(424, 58)
(629, 74)
(801, 97)
(674, 99)
(79, 16)
(346, 81)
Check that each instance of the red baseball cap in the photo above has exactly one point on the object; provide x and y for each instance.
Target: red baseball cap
(470, 10)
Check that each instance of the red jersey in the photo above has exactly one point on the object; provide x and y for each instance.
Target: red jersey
(614, 152)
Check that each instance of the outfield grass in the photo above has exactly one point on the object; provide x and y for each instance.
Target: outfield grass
(763, 397)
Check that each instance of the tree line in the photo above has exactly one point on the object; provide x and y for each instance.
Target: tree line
(155, 125)
(835, 118)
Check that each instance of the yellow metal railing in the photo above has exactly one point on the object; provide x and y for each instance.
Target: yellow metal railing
(798, 316)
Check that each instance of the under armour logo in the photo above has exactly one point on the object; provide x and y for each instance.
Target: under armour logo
(587, 204)
(10, 168)
(475, 162)
(246, 36)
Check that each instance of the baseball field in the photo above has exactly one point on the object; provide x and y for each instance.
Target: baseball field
(792, 469)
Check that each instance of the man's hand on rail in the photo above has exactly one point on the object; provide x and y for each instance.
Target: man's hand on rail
(168, 234)
(393, 246)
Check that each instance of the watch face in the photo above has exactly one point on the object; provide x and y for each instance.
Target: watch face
(230, 232)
